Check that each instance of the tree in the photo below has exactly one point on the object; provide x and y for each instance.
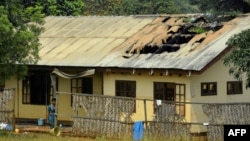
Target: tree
(19, 32)
(238, 60)
(136, 7)
(127, 7)
(101, 7)
(57, 7)
(223, 6)
(158, 7)
(184, 6)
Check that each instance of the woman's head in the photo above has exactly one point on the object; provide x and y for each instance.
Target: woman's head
(53, 100)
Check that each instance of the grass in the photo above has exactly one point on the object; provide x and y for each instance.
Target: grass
(28, 136)
(31, 136)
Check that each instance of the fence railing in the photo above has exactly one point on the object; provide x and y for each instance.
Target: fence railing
(7, 112)
(111, 116)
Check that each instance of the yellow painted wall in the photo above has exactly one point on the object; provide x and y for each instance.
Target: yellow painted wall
(105, 84)
(144, 89)
(40, 111)
(217, 73)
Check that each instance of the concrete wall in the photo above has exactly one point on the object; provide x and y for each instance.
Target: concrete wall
(216, 73)
(40, 111)
(144, 89)
(105, 84)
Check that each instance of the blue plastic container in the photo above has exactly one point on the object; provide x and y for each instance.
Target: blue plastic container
(40, 121)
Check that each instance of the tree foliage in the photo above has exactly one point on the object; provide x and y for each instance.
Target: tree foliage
(186, 7)
(129, 7)
(57, 7)
(100, 7)
(222, 6)
(19, 43)
(238, 60)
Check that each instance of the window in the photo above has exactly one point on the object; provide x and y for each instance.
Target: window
(234, 87)
(164, 91)
(81, 85)
(126, 89)
(76, 85)
(208, 88)
(171, 92)
(37, 88)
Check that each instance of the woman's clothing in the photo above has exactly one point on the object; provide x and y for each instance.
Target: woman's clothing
(51, 118)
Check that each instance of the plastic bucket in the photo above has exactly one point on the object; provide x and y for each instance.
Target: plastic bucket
(40, 121)
(55, 131)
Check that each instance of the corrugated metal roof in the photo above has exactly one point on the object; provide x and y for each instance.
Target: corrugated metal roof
(85, 41)
(133, 42)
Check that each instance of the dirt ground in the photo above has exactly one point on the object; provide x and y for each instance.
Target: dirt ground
(65, 131)
(45, 129)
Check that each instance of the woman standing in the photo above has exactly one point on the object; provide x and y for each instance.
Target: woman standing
(51, 113)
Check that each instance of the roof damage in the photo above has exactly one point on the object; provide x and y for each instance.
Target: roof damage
(169, 34)
(183, 42)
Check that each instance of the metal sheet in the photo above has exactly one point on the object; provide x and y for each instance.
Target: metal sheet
(85, 41)
(189, 57)
(103, 41)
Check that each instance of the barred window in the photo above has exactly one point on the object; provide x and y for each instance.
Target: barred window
(125, 88)
(208, 88)
(234, 87)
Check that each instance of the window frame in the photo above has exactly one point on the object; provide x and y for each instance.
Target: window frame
(125, 91)
(164, 94)
(209, 92)
(28, 88)
(80, 86)
(76, 85)
(234, 84)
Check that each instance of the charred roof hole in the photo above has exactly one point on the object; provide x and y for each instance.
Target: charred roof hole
(185, 29)
(167, 48)
(168, 39)
(148, 49)
(179, 39)
(166, 19)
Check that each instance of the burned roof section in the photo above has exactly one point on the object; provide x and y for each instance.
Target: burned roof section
(182, 42)
(169, 34)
